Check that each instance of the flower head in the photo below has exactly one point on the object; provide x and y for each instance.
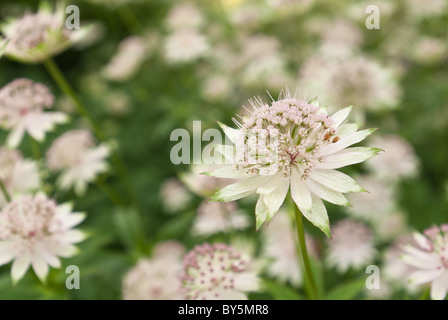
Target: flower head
(22, 105)
(351, 246)
(36, 231)
(174, 196)
(132, 52)
(217, 272)
(398, 161)
(355, 80)
(18, 175)
(214, 217)
(430, 258)
(185, 46)
(156, 278)
(292, 144)
(36, 37)
(74, 153)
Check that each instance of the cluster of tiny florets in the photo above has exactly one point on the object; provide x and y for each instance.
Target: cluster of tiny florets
(437, 242)
(33, 29)
(22, 96)
(28, 221)
(289, 131)
(67, 150)
(210, 268)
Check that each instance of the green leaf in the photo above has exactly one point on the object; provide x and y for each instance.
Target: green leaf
(178, 225)
(280, 291)
(347, 291)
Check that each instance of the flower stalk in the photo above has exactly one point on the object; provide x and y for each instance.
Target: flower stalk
(314, 295)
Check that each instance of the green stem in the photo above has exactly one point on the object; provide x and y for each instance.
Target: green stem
(128, 17)
(35, 148)
(110, 193)
(304, 253)
(4, 191)
(65, 87)
(425, 294)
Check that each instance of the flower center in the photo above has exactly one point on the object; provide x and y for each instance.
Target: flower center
(287, 132)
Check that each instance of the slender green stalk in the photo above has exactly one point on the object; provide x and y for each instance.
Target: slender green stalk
(304, 253)
(129, 19)
(65, 87)
(110, 193)
(35, 148)
(4, 191)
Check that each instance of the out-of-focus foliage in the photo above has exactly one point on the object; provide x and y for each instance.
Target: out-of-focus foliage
(235, 50)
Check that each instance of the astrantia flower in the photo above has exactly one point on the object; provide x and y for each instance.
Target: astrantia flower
(184, 16)
(214, 217)
(174, 196)
(36, 231)
(36, 37)
(185, 46)
(292, 144)
(396, 271)
(375, 204)
(280, 246)
(351, 247)
(217, 272)
(430, 258)
(74, 153)
(128, 60)
(398, 161)
(22, 105)
(156, 278)
(18, 175)
(355, 80)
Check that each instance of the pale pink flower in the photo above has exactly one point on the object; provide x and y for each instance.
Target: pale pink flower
(173, 195)
(36, 37)
(184, 16)
(375, 204)
(425, 9)
(80, 162)
(131, 53)
(185, 46)
(398, 160)
(395, 270)
(351, 246)
(156, 278)
(430, 258)
(18, 175)
(430, 50)
(215, 217)
(280, 246)
(22, 105)
(340, 38)
(291, 145)
(217, 272)
(351, 80)
(36, 231)
(200, 184)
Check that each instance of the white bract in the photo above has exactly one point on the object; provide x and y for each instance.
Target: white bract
(35, 37)
(292, 145)
(18, 175)
(22, 105)
(36, 231)
(74, 153)
(351, 247)
(430, 258)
